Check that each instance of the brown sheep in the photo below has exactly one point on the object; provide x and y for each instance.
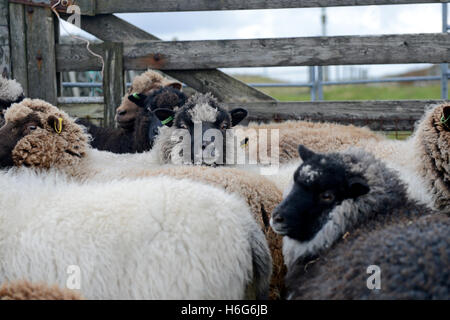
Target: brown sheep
(24, 290)
(145, 83)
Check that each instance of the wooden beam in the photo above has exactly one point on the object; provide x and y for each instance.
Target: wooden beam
(87, 7)
(17, 29)
(118, 6)
(113, 80)
(386, 115)
(378, 115)
(5, 52)
(307, 51)
(224, 87)
(40, 42)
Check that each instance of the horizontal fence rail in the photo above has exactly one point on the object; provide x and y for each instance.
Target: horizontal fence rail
(93, 7)
(305, 51)
(378, 115)
(288, 84)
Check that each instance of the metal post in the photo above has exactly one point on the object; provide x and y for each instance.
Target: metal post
(312, 81)
(319, 82)
(444, 66)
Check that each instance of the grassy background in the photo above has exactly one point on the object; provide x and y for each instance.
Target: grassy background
(389, 91)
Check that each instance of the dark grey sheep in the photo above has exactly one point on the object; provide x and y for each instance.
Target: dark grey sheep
(341, 216)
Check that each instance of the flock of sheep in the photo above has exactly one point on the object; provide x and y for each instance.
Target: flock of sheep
(142, 216)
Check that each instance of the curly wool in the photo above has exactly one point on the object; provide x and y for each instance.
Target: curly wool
(261, 195)
(44, 147)
(10, 89)
(25, 290)
(432, 148)
(422, 160)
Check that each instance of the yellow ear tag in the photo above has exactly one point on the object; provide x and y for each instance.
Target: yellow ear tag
(58, 125)
(244, 143)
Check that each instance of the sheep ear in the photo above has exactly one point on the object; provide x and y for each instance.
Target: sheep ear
(305, 153)
(166, 116)
(357, 186)
(55, 123)
(175, 85)
(445, 119)
(138, 99)
(237, 115)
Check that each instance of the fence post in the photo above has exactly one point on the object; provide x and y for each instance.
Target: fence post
(312, 82)
(17, 29)
(40, 45)
(5, 61)
(113, 80)
(444, 66)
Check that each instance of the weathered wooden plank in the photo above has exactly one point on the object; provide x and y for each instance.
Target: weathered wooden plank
(83, 110)
(17, 31)
(224, 87)
(118, 6)
(377, 115)
(3, 12)
(5, 52)
(389, 115)
(87, 7)
(308, 51)
(113, 80)
(40, 43)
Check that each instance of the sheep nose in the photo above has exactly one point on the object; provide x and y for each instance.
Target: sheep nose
(278, 219)
(122, 112)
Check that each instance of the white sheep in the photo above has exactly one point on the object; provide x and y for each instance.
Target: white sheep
(154, 238)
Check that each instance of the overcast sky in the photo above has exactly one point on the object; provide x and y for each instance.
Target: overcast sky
(365, 20)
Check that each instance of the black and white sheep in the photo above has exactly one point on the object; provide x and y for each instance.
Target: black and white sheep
(336, 202)
(139, 137)
(10, 92)
(198, 132)
(145, 83)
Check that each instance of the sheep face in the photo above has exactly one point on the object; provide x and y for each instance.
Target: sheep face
(320, 184)
(206, 123)
(37, 134)
(167, 98)
(127, 112)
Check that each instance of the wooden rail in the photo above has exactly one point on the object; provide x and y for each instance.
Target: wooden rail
(108, 27)
(95, 7)
(397, 115)
(119, 6)
(305, 51)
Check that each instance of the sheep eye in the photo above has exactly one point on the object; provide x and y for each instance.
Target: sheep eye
(224, 126)
(31, 128)
(327, 196)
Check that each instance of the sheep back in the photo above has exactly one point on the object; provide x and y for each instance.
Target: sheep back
(261, 195)
(24, 290)
(413, 256)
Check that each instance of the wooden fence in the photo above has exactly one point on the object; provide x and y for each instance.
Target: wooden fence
(37, 59)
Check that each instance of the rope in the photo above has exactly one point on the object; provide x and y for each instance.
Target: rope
(88, 43)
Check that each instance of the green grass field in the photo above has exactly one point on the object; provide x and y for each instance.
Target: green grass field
(355, 92)
(390, 91)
